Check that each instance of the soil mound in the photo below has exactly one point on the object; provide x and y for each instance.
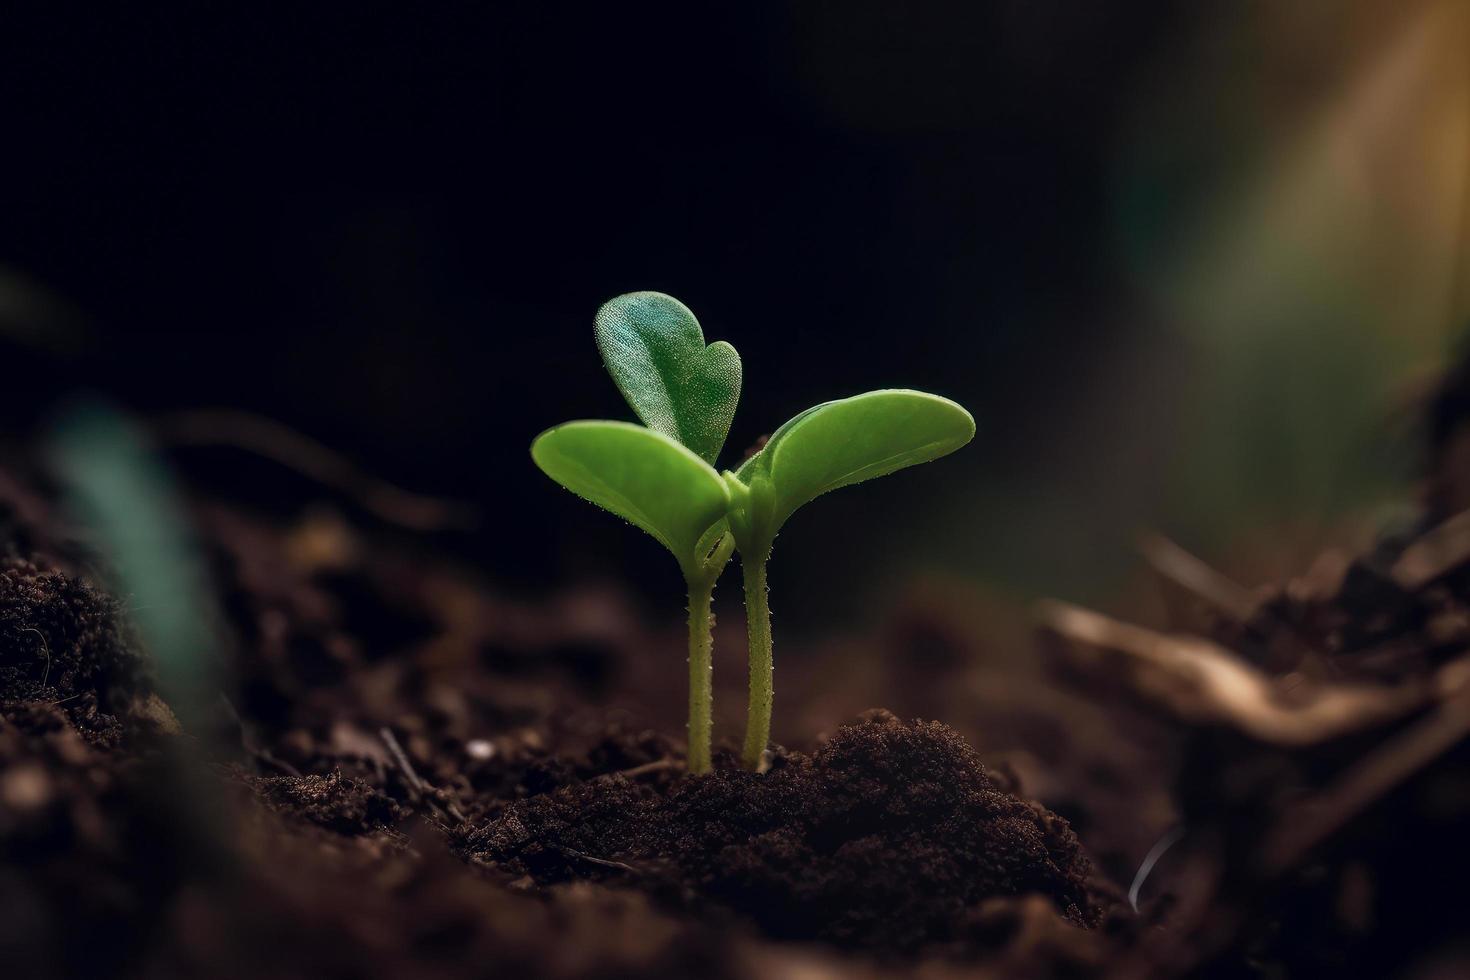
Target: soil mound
(60, 639)
(888, 837)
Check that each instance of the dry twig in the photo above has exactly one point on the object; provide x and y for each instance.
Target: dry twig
(421, 788)
(1203, 682)
(1309, 823)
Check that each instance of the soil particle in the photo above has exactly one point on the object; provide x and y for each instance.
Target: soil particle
(337, 802)
(886, 838)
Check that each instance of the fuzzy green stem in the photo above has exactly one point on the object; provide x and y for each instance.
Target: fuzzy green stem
(701, 695)
(762, 691)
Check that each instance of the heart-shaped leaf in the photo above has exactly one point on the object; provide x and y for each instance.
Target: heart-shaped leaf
(839, 443)
(642, 476)
(655, 351)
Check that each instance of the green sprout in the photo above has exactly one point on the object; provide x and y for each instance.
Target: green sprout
(662, 477)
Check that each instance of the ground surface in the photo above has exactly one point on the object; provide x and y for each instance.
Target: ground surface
(408, 773)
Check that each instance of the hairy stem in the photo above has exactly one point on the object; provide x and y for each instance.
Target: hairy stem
(701, 696)
(762, 691)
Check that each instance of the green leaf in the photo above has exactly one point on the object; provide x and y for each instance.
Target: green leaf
(654, 350)
(640, 475)
(842, 442)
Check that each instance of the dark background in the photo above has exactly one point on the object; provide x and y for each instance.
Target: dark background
(391, 228)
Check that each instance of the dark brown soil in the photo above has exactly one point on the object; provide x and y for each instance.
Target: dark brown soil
(411, 773)
(336, 802)
(887, 838)
(62, 640)
(394, 721)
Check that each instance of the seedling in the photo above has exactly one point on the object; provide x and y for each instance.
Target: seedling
(661, 477)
